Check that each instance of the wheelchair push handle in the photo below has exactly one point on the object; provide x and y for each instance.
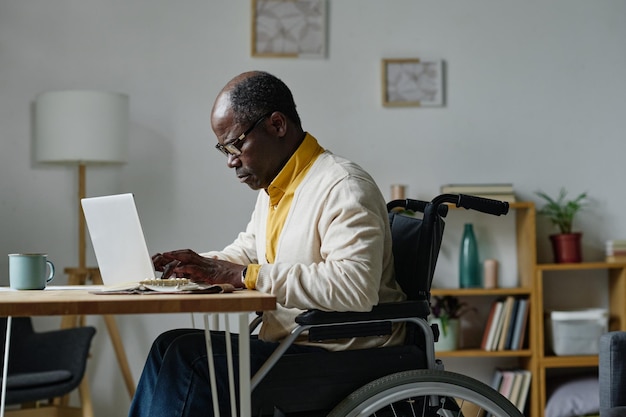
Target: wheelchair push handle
(407, 204)
(416, 205)
(470, 202)
(484, 205)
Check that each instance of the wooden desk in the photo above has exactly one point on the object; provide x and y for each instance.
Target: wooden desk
(60, 302)
(78, 302)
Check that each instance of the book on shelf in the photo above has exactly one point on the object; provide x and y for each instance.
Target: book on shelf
(616, 250)
(506, 341)
(506, 322)
(514, 384)
(519, 327)
(497, 378)
(516, 387)
(616, 243)
(499, 322)
(524, 389)
(505, 328)
(506, 384)
(494, 324)
(619, 259)
(502, 188)
(488, 327)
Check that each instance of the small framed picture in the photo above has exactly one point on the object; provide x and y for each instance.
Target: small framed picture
(412, 82)
(289, 28)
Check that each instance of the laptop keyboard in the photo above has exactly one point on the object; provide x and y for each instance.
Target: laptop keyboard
(168, 282)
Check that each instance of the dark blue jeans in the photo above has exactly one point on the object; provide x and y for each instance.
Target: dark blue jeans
(175, 378)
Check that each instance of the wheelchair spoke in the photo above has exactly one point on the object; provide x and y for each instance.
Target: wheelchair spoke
(435, 393)
(455, 403)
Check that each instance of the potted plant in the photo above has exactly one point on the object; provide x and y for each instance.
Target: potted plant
(566, 245)
(445, 312)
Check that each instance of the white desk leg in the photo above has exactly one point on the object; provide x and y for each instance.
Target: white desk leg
(244, 367)
(245, 395)
(5, 369)
(229, 366)
(209, 351)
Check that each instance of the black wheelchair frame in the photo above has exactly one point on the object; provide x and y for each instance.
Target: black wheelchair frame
(319, 384)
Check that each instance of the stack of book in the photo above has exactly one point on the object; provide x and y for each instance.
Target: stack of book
(514, 384)
(502, 192)
(616, 250)
(506, 324)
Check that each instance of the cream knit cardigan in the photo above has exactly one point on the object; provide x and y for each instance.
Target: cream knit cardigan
(334, 252)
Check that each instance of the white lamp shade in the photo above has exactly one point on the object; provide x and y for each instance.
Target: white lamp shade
(81, 127)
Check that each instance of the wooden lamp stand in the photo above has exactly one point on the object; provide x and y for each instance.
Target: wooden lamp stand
(83, 275)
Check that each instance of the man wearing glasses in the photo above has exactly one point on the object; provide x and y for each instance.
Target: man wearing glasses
(318, 238)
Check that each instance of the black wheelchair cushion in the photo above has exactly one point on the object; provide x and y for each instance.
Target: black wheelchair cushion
(319, 381)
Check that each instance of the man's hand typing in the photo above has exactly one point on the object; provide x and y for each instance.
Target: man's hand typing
(185, 263)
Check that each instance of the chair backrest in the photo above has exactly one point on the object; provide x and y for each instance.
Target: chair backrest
(612, 370)
(32, 375)
(415, 252)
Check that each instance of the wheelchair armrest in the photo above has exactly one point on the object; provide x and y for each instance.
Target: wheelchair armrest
(377, 322)
(385, 311)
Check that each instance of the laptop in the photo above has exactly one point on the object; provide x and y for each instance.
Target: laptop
(118, 240)
(122, 254)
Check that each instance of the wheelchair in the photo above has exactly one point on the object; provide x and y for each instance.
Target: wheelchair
(395, 381)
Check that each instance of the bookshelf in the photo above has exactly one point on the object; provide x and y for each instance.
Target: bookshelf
(525, 252)
(535, 356)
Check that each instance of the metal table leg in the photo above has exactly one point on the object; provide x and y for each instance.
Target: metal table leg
(5, 369)
(244, 367)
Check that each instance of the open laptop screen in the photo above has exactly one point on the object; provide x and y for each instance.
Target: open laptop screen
(117, 238)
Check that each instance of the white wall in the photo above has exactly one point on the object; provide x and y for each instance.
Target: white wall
(534, 97)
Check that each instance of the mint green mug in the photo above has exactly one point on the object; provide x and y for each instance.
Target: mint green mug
(30, 271)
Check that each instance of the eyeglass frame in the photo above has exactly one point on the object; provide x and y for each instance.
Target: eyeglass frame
(230, 148)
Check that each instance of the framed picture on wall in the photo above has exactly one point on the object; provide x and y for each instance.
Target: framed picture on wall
(412, 82)
(289, 28)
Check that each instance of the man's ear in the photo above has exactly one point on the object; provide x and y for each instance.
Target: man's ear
(278, 124)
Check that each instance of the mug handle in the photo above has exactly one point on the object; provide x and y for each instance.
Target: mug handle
(51, 276)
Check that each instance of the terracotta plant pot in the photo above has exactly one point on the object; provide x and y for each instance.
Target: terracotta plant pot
(567, 247)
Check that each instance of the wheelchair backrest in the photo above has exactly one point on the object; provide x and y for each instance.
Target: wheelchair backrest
(416, 243)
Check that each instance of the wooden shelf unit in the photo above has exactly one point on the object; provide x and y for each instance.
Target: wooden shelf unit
(545, 360)
(479, 353)
(526, 253)
(531, 283)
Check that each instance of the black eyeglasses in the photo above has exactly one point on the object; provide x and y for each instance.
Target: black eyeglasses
(233, 147)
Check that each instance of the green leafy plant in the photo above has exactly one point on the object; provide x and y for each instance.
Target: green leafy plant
(447, 308)
(560, 211)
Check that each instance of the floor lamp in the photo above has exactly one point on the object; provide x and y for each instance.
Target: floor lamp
(81, 128)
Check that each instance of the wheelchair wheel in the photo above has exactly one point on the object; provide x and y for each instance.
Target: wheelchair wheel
(425, 393)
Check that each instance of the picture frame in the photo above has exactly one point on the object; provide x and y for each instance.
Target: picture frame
(289, 28)
(411, 82)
